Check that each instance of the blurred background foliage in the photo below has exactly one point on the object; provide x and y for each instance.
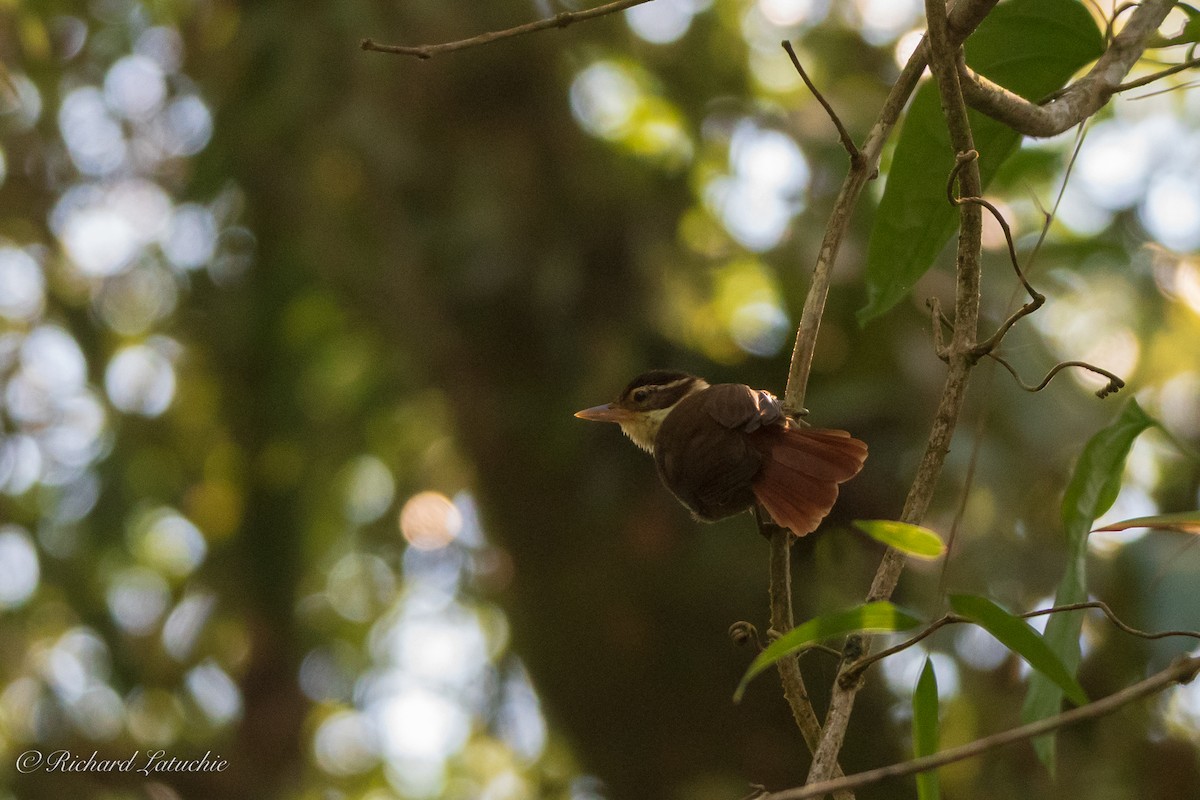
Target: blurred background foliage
(290, 338)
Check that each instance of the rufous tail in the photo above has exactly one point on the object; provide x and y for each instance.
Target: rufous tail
(798, 482)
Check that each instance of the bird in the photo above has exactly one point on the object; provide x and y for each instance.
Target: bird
(723, 448)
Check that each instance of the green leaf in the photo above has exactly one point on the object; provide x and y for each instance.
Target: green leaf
(1189, 33)
(1184, 522)
(1091, 491)
(925, 730)
(1019, 636)
(880, 617)
(911, 539)
(1031, 47)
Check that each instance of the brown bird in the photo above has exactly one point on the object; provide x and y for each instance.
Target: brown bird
(721, 448)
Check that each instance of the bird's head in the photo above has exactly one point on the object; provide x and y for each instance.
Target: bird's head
(645, 403)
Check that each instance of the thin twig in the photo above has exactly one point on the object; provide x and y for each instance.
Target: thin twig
(1110, 26)
(856, 156)
(968, 482)
(562, 20)
(1177, 88)
(1113, 386)
(1151, 78)
(757, 791)
(852, 672)
(1112, 617)
(1181, 671)
(1036, 298)
(956, 200)
(964, 18)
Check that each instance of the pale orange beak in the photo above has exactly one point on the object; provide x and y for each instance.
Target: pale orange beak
(605, 413)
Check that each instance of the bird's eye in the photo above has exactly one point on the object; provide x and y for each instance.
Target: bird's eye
(640, 395)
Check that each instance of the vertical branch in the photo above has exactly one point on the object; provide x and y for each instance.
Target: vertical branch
(964, 18)
(794, 690)
(943, 60)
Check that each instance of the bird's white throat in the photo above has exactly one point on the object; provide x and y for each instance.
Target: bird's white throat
(644, 427)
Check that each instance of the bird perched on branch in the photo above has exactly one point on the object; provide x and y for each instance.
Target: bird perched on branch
(721, 448)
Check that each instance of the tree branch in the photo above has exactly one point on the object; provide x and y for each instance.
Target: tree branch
(782, 621)
(1182, 671)
(964, 19)
(1084, 97)
(562, 20)
(847, 142)
(943, 51)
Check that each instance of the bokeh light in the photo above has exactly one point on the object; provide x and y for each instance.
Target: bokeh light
(370, 490)
(407, 684)
(137, 598)
(788, 13)
(765, 188)
(140, 379)
(19, 571)
(614, 101)
(663, 21)
(429, 521)
(22, 285)
(214, 692)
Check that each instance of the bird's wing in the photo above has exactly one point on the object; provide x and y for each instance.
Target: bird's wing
(710, 467)
(737, 406)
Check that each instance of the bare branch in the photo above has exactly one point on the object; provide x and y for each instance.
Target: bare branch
(852, 672)
(562, 20)
(782, 621)
(1154, 76)
(1112, 617)
(1081, 99)
(856, 157)
(1181, 671)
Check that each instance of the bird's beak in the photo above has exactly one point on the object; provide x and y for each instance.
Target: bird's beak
(605, 413)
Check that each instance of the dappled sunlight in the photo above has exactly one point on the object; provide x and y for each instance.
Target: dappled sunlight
(22, 286)
(277, 320)
(19, 573)
(901, 671)
(439, 661)
(370, 489)
(786, 13)
(140, 379)
(764, 189)
(429, 521)
(613, 100)
(883, 21)
(664, 21)
(1144, 157)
